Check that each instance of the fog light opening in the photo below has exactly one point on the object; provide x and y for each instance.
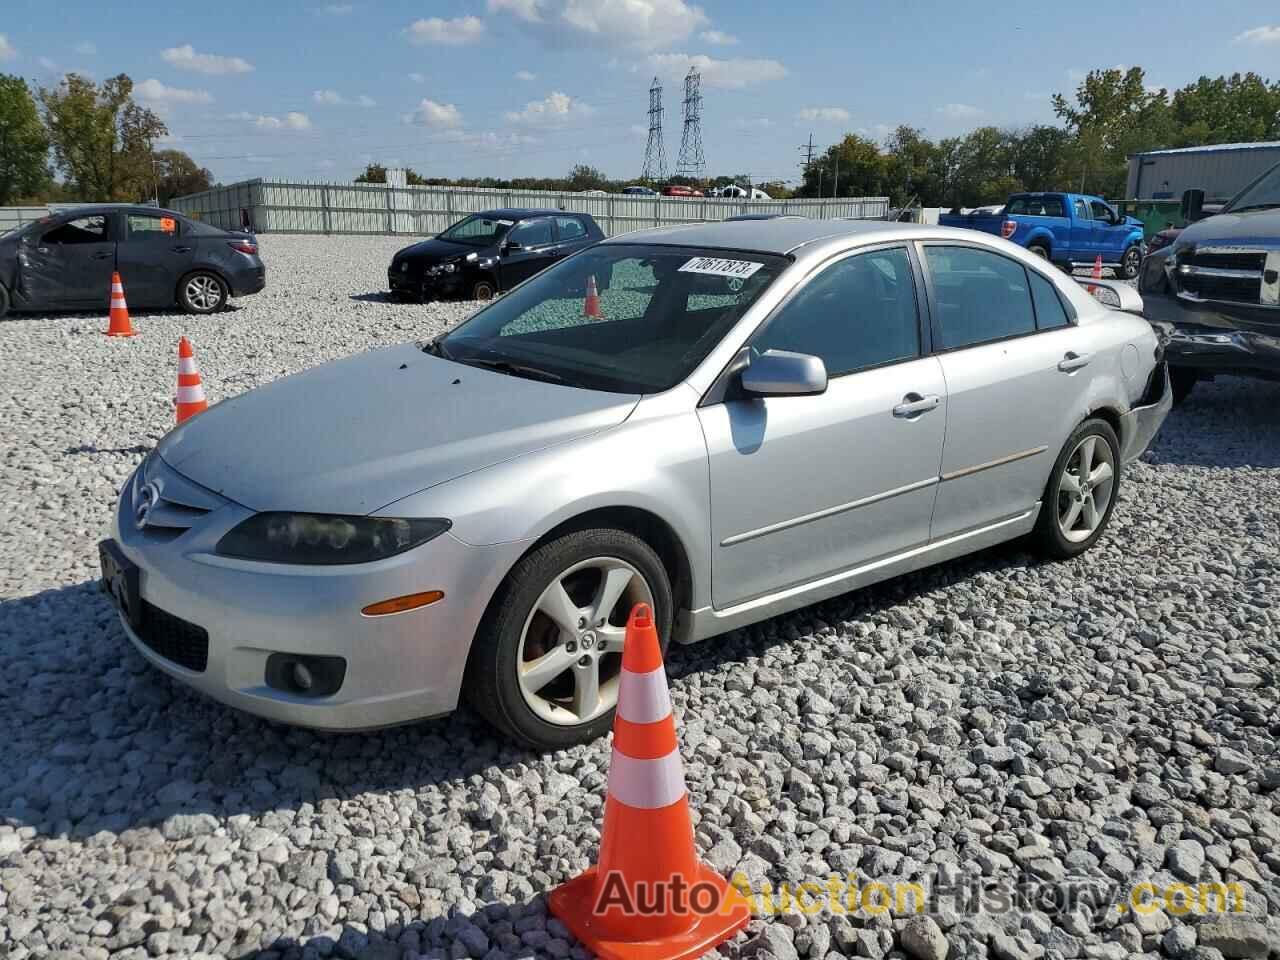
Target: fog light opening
(403, 604)
(302, 678)
(305, 675)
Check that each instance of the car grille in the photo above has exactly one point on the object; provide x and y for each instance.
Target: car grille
(175, 503)
(1230, 274)
(173, 638)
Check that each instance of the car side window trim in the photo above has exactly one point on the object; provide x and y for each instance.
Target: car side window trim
(932, 294)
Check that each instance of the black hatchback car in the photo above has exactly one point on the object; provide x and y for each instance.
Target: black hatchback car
(489, 253)
(65, 261)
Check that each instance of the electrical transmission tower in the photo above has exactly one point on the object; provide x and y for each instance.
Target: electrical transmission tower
(691, 162)
(655, 154)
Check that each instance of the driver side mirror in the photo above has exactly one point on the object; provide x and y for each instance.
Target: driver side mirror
(1192, 206)
(511, 246)
(781, 373)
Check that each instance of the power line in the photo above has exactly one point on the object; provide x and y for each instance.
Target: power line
(692, 162)
(655, 153)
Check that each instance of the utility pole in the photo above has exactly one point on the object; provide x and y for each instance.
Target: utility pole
(835, 190)
(155, 177)
(807, 149)
(691, 162)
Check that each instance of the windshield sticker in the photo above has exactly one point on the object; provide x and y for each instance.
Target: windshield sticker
(716, 267)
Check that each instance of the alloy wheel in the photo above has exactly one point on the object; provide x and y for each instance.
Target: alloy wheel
(204, 293)
(1086, 488)
(570, 651)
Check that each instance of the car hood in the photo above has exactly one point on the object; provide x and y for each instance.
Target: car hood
(1132, 222)
(435, 250)
(1254, 227)
(354, 435)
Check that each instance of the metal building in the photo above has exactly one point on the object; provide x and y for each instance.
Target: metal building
(1220, 170)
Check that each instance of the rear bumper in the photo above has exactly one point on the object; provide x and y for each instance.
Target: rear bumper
(248, 280)
(1139, 426)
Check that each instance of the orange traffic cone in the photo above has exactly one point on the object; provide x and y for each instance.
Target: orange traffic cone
(119, 325)
(191, 399)
(591, 305)
(1097, 274)
(648, 898)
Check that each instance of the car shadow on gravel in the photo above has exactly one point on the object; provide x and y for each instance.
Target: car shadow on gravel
(98, 739)
(378, 296)
(1228, 423)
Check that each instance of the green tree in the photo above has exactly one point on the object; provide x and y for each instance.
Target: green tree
(1036, 156)
(102, 140)
(1236, 109)
(178, 175)
(24, 147)
(914, 167)
(584, 177)
(373, 173)
(853, 167)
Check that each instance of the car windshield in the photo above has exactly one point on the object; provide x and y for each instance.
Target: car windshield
(479, 230)
(1259, 195)
(626, 318)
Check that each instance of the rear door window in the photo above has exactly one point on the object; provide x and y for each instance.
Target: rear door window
(1050, 313)
(981, 296)
(81, 230)
(532, 233)
(147, 226)
(570, 228)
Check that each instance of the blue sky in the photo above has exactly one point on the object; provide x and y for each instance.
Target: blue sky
(531, 87)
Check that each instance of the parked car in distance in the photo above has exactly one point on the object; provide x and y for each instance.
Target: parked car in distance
(680, 190)
(488, 253)
(763, 216)
(367, 541)
(65, 261)
(1213, 291)
(638, 191)
(1065, 228)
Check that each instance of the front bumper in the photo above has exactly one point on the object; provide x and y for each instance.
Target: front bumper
(399, 668)
(1140, 425)
(419, 285)
(1217, 338)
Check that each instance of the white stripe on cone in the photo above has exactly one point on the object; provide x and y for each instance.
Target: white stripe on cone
(117, 288)
(646, 784)
(187, 365)
(191, 394)
(643, 697)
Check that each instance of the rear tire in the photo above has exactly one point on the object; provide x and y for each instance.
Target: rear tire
(517, 632)
(1081, 493)
(1183, 381)
(1040, 250)
(202, 292)
(4, 300)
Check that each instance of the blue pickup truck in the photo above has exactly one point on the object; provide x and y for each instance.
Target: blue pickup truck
(1067, 228)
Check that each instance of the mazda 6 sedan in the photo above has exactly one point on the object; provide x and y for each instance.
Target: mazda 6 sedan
(724, 420)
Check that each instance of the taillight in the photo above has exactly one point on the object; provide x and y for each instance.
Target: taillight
(1007, 228)
(243, 246)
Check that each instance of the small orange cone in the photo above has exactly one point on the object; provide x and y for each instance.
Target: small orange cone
(648, 898)
(591, 306)
(1097, 274)
(191, 399)
(119, 325)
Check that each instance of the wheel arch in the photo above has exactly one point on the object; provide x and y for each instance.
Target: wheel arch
(1110, 416)
(1041, 238)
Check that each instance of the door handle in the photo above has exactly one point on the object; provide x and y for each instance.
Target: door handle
(181, 249)
(914, 405)
(1074, 361)
(103, 256)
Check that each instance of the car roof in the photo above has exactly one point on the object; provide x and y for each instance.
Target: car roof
(91, 209)
(519, 213)
(780, 235)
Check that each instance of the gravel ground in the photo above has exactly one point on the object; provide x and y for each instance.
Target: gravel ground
(990, 722)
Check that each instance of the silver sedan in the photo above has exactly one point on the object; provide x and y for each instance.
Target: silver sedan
(726, 421)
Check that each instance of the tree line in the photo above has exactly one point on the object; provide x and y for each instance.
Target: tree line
(1111, 115)
(97, 137)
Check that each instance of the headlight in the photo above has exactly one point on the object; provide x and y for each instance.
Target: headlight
(440, 268)
(315, 538)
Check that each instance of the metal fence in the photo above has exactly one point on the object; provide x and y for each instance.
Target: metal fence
(273, 206)
(13, 217)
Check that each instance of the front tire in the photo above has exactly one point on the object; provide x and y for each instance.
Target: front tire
(1081, 493)
(483, 290)
(1131, 263)
(545, 662)
(4, 300)
(202, 292)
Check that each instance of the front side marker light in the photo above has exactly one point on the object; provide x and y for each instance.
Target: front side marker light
(413, 601)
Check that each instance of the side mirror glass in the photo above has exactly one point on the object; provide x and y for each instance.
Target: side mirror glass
(1192, 206)
(510, 246)
(781, 373)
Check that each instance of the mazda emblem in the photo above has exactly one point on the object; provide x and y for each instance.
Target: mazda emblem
(147, 499)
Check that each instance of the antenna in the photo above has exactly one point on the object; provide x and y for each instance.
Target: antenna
(692, 163)
(655, 154)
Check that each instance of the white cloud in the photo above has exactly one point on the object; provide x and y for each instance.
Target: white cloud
(555, 109)
(428, 113)
(153, 91)
(185, 57)
(364, 100)
(417, 78)
(959, 111)
(293, 120)
(452, 33)
(718, 38)
(526, 76)
(7, 50)
(824, 114)
(85, 48)
(732, 74)
(627, 24)
(328, 97)
(753, 123)
(1267, 34)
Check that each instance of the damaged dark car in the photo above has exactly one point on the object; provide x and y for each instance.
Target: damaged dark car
(65, 261)
(1213, 294)
(488, 253)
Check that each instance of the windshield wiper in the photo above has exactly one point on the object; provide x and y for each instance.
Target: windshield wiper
(436, 348)
(514, 369)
